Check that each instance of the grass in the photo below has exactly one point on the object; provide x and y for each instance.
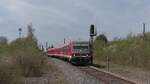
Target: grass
(132, 51)
(57, 77)
(20, 58)
(23, 59)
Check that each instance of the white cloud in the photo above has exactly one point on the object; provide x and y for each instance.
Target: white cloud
(25, 12)
(135, 2)
(60, 18)
(46, 19)
(1, 20)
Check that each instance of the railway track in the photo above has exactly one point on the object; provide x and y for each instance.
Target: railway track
(104, 76)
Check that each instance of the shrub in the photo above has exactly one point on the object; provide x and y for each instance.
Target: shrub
(21, 58)
(3, 40)
(130, 51)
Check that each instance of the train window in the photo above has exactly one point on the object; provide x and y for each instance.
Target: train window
(58, 49)
(80, 49)
(68, 47)
(61, 49)
(65, 49)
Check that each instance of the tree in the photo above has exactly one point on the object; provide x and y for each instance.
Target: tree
(30, 30)
(3, 40)
(102, 37)
(31, 34)
(52, 46)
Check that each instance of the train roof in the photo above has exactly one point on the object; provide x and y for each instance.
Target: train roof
(73, 42)
(59, 46)
(80, 42)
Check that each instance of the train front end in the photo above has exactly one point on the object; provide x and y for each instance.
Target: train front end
(80, 52)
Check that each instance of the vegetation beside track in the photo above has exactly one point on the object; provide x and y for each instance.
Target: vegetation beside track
(132, 51)
(22, 58)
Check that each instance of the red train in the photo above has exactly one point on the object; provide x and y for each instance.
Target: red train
(74, 51)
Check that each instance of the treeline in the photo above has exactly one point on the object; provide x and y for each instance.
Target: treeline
(21, 58)
(131, 51)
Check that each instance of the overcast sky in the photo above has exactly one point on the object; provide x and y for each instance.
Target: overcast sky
(55, 20)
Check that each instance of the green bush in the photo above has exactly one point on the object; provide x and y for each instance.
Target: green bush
(130, 51)
(21, 58)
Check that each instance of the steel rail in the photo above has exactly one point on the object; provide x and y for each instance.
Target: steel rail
(111, 75)
(99, 79)
(114, 75)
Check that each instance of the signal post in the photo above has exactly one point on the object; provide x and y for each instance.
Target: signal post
(92, 34)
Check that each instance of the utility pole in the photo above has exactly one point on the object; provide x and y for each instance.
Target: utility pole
(108, 59)
(42, 48)
(46, 45)
(64, 40)
(92, 34)
(144, 31)
(52, 46)
(19, 32)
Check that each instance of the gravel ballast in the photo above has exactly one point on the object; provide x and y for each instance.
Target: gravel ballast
(74, 75)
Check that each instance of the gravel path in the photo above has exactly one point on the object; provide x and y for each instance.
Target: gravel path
(37, 80)
(74, 76)
(47, 77)
(138, 75)
(140, 78)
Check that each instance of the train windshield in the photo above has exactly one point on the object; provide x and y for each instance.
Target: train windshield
(80, 49)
